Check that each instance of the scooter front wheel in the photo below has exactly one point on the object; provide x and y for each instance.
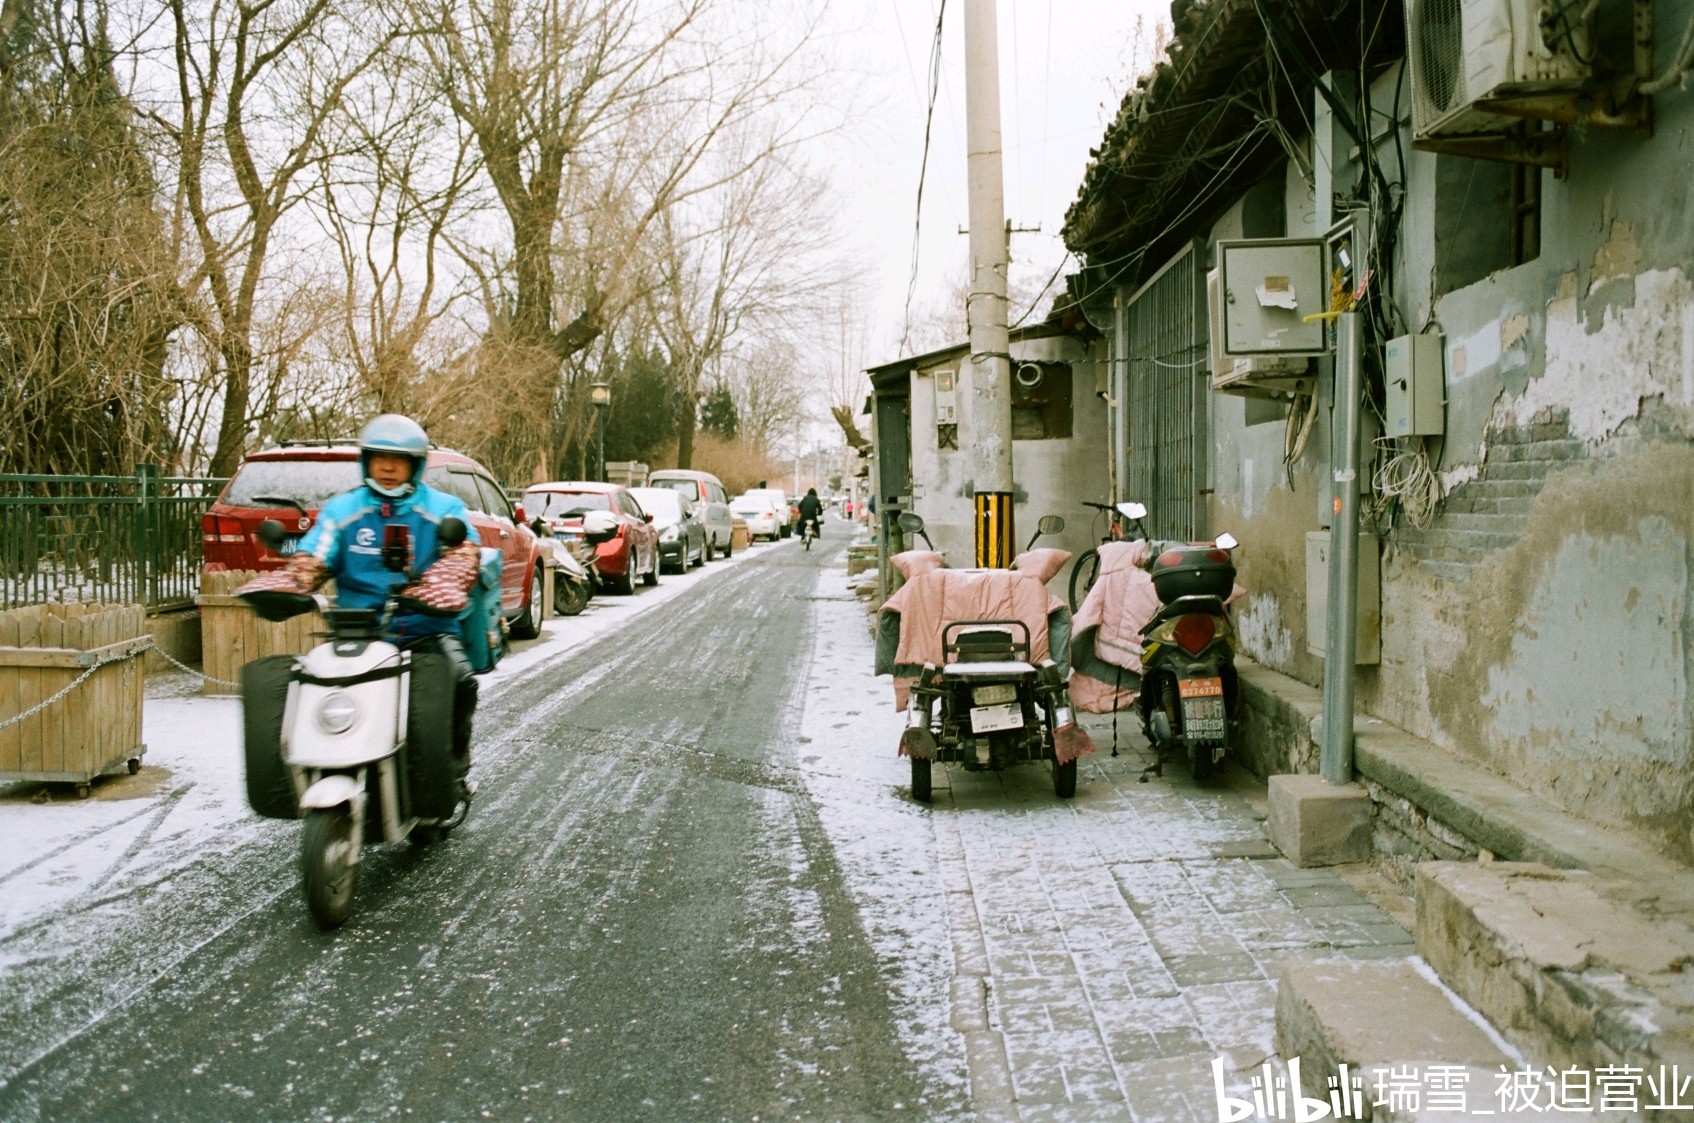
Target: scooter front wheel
(1064, 779)
(326, 865)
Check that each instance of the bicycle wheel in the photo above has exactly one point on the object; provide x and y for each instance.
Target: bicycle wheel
(1083, 575)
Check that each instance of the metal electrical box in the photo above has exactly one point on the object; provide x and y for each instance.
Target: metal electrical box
(1368, 651)
(1269, 287)
(1415, 387)
(946, 397)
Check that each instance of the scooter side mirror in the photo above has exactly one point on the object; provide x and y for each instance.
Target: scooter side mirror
(911, 522)
(1133, 510)
(1051, 524)
(1226, 541)
(452, 532)
(272, 534)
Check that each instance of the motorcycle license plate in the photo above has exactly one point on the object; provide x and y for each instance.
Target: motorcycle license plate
(989, 719)
(1200, 687)
(1202, 709)
(289, 546)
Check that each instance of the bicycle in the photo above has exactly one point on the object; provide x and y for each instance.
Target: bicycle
(1087, 568)
(808, 531)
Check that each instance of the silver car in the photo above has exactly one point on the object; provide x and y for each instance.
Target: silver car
(682, 532)
(711, 502)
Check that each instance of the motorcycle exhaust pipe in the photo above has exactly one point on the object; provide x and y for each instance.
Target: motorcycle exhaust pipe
(917, 741)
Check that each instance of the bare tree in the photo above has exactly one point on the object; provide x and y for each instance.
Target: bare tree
(257, 85)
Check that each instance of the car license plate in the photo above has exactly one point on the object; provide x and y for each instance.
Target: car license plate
(993, 695)
(989, 719)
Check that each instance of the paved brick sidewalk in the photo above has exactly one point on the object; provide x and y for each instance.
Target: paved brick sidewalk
(1118, 942)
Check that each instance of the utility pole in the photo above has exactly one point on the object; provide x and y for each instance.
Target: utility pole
(989, 402)
(1335, 759)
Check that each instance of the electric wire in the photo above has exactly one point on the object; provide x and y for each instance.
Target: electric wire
(923, 168)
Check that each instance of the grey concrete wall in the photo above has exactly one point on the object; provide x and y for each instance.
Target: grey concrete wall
(1562, 659)
(1051, 476)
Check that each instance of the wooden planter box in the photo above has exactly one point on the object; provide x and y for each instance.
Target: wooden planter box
(94, 729)
(738, 537)
(232, 635)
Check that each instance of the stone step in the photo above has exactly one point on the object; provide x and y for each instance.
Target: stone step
(1526, 434)
(1549, 451)
(1447, 570)
(1509, 524)
(1520, 506)
(1378, 1013)
(1562, 962)
(1439, 543)
(1517, 469)
(1491, 488)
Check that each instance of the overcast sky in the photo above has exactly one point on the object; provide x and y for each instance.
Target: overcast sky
(1063, 67)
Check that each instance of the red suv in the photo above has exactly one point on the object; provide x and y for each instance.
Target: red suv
(628, 549)
(292, 482)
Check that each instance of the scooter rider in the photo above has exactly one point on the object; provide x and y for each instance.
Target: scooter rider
(348, 543)
(811, 510)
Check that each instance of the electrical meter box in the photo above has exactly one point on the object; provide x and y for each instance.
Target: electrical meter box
(1368, 598)
(946, 397)
(1415, 389)
(1269, 287)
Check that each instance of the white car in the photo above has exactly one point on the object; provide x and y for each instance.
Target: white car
(779, 500)
(760, 515)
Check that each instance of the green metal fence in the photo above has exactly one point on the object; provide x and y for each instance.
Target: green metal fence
(114, 539)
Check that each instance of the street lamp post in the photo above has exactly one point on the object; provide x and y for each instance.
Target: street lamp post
(600, 393)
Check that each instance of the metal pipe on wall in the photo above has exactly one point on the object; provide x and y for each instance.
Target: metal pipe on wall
(1335, 760)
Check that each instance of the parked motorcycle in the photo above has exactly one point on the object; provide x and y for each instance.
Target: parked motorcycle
(1189, 687)
(352, 737)
(574, 584)
(987, 706)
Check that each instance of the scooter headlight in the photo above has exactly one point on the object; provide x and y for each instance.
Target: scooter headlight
(337, 712)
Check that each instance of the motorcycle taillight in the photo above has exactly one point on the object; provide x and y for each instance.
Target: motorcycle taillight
(1194, 632)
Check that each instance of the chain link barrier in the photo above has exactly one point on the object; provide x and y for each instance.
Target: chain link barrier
(184, 666)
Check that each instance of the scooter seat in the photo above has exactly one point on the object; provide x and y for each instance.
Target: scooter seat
(1009, 668)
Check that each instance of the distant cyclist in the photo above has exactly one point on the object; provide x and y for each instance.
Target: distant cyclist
(811, 516)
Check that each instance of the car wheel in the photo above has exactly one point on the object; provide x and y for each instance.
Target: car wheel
(528, 624)
(706, 550)
(651, 577)
(729, 546)
(625, 582)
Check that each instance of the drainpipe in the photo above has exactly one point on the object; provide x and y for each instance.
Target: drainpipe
(1335, 760)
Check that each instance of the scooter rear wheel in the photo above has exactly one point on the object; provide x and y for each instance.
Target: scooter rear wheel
(921, 787)
(569, 598)
(326, 865)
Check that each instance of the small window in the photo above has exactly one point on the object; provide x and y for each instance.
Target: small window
(1526, 213)
(629, 505)
(1041, 401)
(460, 485)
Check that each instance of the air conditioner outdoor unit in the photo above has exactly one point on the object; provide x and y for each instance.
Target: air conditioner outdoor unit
(1472, 58)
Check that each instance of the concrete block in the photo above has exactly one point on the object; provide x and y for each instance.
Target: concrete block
(1336, 1012)
(1568, 974)
(1316, 823)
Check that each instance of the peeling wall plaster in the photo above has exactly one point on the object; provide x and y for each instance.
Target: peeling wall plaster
(1259, 627)
(1601, 372)
(1596, 667)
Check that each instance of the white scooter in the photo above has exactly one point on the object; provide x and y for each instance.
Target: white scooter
(363, 739)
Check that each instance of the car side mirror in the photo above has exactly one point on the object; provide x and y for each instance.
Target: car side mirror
(646, 518)
(518, 515)
(272, 535)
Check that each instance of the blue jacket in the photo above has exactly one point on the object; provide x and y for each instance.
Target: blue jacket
(348, 541)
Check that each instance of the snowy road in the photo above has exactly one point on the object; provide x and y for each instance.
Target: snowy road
(643, 918)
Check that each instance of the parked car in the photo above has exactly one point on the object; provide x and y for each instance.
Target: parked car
(625, 544)
(291, 483)
(682, 532)
(760, 514)
(786, 516)
(709, 497)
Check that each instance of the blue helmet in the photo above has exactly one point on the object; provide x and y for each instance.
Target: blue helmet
(399, 435)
